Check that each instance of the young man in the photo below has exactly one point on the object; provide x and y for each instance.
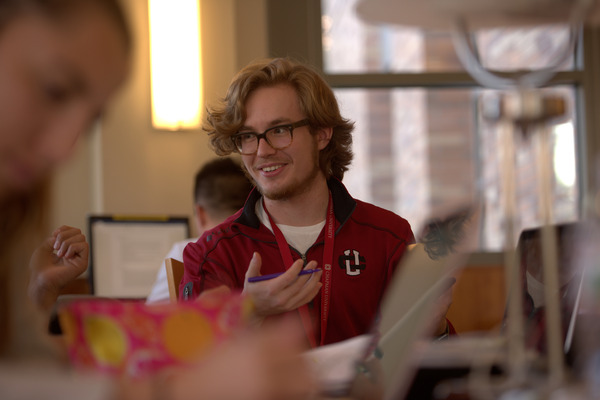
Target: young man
(220, 189)
(284, 120)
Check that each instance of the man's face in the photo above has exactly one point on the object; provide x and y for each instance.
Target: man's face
(281, 174)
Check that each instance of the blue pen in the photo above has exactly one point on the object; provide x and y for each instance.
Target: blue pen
(275, 275)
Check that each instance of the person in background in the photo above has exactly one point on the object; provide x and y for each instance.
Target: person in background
(220, 189)
(284, 120)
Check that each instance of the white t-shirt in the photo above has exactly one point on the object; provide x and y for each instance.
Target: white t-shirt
(160, 290)
(299, 237)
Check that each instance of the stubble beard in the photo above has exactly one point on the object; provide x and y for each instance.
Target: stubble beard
(294, 188)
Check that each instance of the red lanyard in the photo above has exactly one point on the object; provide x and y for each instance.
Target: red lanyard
(286, 255)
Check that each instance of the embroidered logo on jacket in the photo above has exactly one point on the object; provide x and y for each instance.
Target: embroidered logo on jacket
(352, 262)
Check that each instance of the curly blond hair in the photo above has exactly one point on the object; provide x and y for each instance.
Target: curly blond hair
(317, 102)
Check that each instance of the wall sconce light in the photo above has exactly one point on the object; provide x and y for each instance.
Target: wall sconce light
(175, 64)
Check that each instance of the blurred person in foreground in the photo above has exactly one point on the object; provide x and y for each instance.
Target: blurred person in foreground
(220, 189)
(60, 61)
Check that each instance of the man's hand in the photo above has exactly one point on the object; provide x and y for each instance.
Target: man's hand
(283, 293)
(60, 259)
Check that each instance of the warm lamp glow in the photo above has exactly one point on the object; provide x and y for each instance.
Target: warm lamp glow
(175, 65)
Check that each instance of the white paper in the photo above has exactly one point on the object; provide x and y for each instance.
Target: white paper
(126, 255)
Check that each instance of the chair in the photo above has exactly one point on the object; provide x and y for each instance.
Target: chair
(174, 275)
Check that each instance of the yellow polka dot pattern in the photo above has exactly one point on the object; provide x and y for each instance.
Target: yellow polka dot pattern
(106, 340)
(186, 335)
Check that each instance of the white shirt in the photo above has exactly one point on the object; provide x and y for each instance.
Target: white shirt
(160, 290)
(299, 237)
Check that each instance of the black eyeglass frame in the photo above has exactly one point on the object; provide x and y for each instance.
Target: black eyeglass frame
(291, 127)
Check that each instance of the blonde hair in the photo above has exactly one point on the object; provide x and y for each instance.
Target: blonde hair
(317, 102)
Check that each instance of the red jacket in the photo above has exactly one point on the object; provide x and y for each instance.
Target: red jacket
(374, 237)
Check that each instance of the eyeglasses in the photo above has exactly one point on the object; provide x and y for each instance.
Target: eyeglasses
(278, 137)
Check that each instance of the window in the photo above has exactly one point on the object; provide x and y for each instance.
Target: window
(421, 142)
(353, 46)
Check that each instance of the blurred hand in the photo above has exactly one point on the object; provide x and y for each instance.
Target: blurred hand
(259, 365)
(60, 259)
(283, 293)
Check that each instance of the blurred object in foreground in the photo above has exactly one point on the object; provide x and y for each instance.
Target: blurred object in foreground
(129, 337)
